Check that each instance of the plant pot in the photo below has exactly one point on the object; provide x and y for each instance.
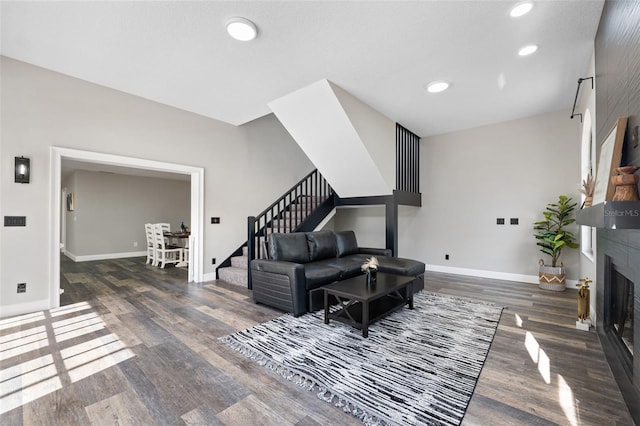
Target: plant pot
(551, 277)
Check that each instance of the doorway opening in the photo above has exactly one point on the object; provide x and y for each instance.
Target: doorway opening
(195, 271)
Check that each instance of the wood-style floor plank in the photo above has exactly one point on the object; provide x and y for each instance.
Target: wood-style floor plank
(134, 344)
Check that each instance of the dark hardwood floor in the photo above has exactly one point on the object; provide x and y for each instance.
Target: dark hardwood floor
(134, 344)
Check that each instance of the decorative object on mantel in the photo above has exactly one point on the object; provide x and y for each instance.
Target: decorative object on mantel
(370, 267)
(552, 237)
(610, 156)
(588, 184)
(626, 183)
(584, 300)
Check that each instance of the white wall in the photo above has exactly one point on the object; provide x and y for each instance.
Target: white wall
(586, 102)
(468, 179)
(377, 133)
(318, 120)
(111, 210)
(246, 167)
(368, 222)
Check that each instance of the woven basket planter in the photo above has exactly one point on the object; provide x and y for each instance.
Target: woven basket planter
(551, 277)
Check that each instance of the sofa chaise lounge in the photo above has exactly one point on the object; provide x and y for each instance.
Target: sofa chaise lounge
(301, 263)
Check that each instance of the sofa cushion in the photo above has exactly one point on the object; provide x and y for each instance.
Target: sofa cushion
(290, 247)
(400, 266)
(349, 265)
(318, 275)
(322, 245)
(346, 243)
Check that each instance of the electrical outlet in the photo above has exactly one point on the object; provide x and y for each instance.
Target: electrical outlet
(500, 221)
(135, 244)
(215, 220)
(446, 257)
(22, 287)
(514, 220)
(213, 260)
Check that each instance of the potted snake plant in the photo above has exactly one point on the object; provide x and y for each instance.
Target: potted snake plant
(553, 237)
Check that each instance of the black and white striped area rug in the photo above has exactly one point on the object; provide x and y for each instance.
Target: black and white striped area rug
(416, 367)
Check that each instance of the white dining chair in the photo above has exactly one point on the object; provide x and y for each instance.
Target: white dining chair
(151, 249)
(165, 253)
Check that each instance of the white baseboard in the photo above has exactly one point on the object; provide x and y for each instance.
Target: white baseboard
(24, 308)
(105, 256)
(506, 276)
(211, 276)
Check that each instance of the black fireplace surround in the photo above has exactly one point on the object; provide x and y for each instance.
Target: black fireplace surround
(618, 266)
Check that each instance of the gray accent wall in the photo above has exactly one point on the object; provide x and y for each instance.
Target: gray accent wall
(111, 210)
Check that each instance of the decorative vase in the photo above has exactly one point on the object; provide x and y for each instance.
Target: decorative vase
(372, 276)
(626, 183)
(551, 277)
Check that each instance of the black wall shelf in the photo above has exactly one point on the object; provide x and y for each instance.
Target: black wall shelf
(611, 215)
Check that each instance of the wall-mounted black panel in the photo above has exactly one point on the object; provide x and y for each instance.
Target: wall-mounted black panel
(15, 221)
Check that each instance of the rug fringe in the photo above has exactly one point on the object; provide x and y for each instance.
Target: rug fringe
(301, 380)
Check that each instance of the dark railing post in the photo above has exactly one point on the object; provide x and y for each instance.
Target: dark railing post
(251, 246)
(305, 195)
(391, 225)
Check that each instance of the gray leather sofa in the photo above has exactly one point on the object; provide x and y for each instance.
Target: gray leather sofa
(300, 263)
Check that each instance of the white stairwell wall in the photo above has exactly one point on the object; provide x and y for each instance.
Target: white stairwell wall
(350, 143)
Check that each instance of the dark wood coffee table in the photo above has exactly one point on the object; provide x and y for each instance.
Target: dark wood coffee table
(361, 305)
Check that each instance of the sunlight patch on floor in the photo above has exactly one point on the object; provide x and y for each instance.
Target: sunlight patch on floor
(518, 320)
(21, 342)
(29, 380)
(566, 398)
(94, 355)
(21, 320)
(567, 401)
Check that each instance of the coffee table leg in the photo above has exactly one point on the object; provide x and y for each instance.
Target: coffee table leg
(326, 307)
(365, 319)
(410, 290)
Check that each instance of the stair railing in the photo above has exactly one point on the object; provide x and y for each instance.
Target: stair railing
(407, 160)
(299, 201)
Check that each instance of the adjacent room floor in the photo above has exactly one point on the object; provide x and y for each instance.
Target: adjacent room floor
(134, 344)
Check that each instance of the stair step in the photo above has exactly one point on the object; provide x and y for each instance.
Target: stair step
(240, 262)
(285, 224)
(301, 208)
(234, 275)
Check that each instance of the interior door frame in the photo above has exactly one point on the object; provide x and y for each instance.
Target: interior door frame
(196, 264)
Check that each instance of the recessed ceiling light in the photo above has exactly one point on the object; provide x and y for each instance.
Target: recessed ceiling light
(437, 86)
(241, 29)
(521, 9)
(527, 50)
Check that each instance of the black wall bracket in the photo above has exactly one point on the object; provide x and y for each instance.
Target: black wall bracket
(573, 110)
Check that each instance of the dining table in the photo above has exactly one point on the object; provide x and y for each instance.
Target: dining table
(178, 239)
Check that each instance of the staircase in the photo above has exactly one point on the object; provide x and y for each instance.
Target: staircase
(302, 208)
(237, 272)
(288, 221)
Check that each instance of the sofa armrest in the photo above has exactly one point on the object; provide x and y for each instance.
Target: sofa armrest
(278, 267)
(375, 251)
(279, 284)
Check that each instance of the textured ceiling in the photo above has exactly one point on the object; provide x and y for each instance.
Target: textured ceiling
(383, 52)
